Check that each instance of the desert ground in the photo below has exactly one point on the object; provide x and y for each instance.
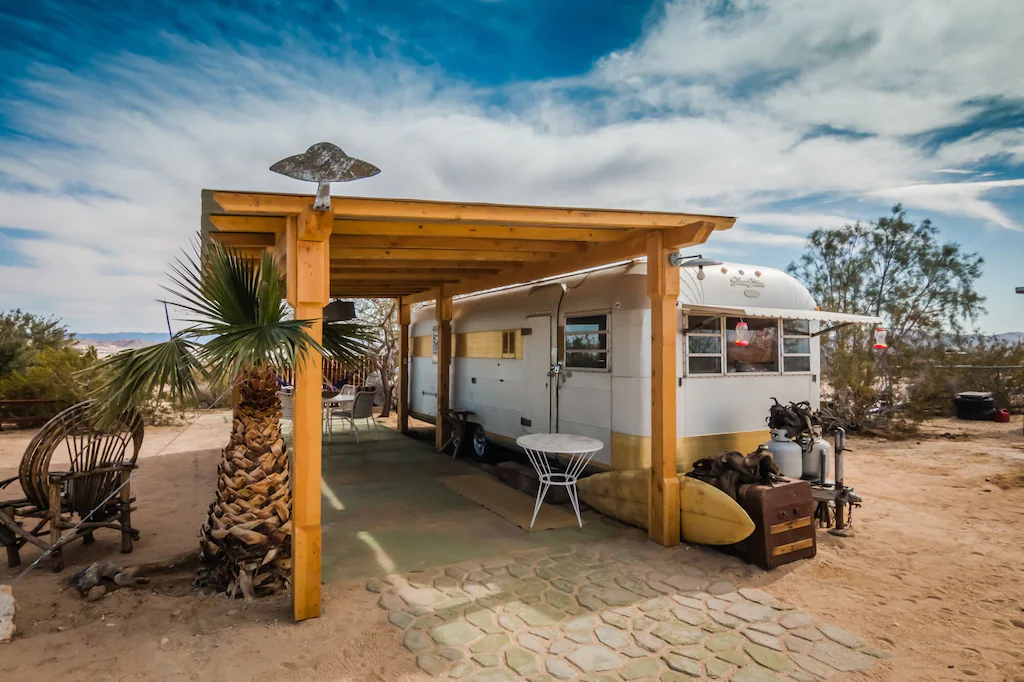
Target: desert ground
(933, 575)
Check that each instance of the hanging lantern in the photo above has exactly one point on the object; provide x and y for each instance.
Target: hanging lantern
(880, 339)
(742, 334)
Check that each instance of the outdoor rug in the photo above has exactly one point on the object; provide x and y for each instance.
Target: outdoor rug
(508, 503)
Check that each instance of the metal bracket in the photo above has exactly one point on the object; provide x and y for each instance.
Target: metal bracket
(834, 327)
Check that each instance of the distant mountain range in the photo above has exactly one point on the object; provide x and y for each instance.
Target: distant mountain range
(1009, 338)
(151, 337)
(108, 343)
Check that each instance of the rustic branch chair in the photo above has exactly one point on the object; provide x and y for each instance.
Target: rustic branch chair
(100, 462)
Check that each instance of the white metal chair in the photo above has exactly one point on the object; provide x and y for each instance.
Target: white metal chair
(287, 408)
(362, 408)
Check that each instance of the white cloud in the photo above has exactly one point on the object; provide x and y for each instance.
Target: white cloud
(725, 139)
(958, 198)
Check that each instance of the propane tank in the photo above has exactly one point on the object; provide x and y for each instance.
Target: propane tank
(787, 454)
(815, 452)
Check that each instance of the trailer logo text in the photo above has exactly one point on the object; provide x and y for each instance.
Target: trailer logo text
(746, 282)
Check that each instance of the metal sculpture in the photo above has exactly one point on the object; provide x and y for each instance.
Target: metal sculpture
(324, 163)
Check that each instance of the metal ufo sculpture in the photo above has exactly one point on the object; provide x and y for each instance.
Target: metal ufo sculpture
(324, 163)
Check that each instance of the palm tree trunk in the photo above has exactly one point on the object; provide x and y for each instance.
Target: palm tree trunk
(246, 540)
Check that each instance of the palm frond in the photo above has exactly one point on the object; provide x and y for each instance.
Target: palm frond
(220, 286)
(346, 341)
(233, 348)
(129, 378)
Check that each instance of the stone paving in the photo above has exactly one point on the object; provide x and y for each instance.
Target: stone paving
(608, 612)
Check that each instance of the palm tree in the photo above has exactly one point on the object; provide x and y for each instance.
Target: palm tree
(240, 335)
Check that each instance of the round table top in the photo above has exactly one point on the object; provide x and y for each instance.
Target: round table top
(559, 443)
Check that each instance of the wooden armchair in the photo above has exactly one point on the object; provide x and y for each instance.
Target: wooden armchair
(100, 462)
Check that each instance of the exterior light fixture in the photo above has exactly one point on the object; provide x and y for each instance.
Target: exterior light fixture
(677, 260)
(324, 163)
(340, 311)
(880, 339)
(742, 334)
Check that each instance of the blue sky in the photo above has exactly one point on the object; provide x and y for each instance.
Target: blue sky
(791, 114)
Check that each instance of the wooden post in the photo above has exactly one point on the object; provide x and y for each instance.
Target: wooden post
(444, 359)
(663, 290)
(308, 292)
(404, 365)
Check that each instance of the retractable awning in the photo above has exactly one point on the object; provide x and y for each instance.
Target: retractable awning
(783, 313)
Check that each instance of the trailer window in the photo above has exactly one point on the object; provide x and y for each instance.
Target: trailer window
(704, 345)
(508, 344)
(761, 354)
(796, 346)
(586, 342)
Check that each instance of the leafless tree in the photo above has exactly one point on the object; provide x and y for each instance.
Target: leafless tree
(381, 315)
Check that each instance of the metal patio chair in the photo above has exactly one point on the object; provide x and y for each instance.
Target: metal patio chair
(94, 494)
(362, 408)
(287, 408)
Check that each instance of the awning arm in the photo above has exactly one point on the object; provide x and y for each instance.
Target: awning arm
(693, 328)
(834, 327)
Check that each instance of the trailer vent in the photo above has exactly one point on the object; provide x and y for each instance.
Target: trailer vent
(525, 422)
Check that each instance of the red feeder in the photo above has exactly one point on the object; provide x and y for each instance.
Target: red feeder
(880, 339)
(742, 334)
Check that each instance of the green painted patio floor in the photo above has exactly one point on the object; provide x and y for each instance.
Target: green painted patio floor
(384, 511)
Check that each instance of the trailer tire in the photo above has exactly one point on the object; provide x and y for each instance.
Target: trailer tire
(479, 448)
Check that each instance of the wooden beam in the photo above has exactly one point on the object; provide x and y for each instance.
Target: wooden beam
(245, 239)
(687, 235)
(445, 211)
(338, 264)
(436, 254)
(444, 359)
(344, 226)
(404, 365)
(308, 293)
(248, 223)
(483, 243)
(601, 254)
(389, 274)
(663, 290)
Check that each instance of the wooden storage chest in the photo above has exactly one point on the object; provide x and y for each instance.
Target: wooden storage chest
(783, 517)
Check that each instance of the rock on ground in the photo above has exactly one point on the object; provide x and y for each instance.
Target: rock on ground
(7, 611)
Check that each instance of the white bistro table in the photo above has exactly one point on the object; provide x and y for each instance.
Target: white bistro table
(579, 450)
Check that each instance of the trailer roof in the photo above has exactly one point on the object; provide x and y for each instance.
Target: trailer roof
(391, 248)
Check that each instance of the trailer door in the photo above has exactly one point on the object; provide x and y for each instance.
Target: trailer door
(539, 353)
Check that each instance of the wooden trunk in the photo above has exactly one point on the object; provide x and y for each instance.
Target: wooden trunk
(783, 517)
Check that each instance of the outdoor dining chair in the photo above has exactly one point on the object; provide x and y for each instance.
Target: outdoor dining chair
(287, 409)
(362, 408)
(93, 494)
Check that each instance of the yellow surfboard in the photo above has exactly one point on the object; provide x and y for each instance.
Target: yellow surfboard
(708, 516)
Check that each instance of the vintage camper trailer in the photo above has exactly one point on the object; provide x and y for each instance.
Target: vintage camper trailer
(572, 355)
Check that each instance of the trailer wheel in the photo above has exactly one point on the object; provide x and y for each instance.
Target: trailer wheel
(480, 448)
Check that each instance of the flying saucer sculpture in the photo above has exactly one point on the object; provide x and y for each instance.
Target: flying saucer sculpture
(324, 163)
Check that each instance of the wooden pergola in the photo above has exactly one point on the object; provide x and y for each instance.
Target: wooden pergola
(417, 251)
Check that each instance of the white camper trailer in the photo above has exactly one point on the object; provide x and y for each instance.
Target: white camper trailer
(572, 355)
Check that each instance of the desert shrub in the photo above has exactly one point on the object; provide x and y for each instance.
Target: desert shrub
(40, 361)
(974, 365)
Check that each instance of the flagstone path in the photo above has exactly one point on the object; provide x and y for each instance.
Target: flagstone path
(607, 612)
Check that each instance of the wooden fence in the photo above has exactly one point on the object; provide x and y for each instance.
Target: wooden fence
(357, 372)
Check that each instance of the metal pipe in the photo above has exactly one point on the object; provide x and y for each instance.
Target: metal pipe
(839, 442)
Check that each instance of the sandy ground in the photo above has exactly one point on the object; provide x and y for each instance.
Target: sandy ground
(934, 573)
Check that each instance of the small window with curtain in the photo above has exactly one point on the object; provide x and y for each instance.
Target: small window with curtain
(796, 346)
(508, 344)
(758, 351)
(586, 342)
(703, 345)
